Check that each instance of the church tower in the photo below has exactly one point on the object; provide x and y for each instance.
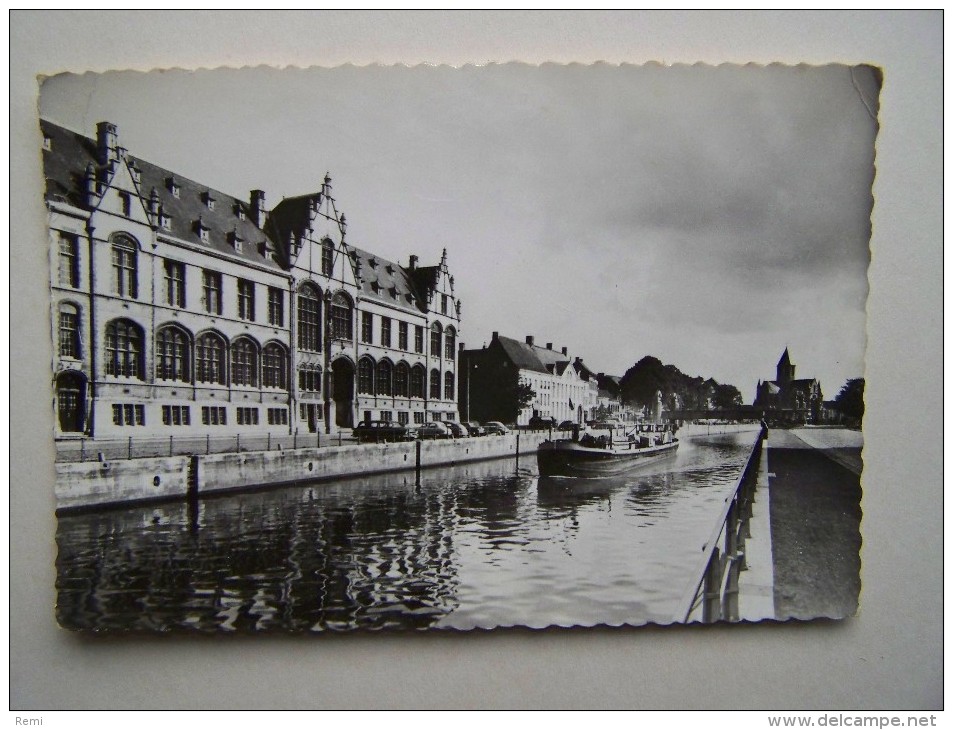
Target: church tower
(785, 369)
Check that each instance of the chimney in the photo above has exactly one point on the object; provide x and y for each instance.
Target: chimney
(549, 346)
(413, 262)
(529, 339)
(566, 351)
(107, 139)
(257, 207)
(462, 346)
(496, 336)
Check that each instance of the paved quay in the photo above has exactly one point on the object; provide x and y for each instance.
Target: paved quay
(814, 493)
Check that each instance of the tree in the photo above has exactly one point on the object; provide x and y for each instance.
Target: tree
(727, 396)
(850, 400)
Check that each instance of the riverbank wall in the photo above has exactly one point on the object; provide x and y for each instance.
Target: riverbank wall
(102, 483)
(692, 430)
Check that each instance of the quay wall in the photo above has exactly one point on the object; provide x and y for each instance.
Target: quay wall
(105, 482)
(690, 430)
(100, 483)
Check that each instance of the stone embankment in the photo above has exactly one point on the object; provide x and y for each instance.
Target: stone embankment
(100, 483)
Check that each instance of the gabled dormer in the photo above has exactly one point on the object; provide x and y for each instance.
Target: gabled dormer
(311, 234)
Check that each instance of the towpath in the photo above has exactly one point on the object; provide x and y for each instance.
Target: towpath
(809, 530)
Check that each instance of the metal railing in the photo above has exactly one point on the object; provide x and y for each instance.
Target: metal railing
(137, 447)
(715, 590)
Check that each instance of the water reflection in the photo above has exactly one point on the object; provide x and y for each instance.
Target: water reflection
(475, 545)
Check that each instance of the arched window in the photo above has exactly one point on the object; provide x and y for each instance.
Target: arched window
(244, 362)
(210, 359)
(448, 386)
(309, 378)
(273, 366)
(365, 376)
(173, 359)
(309, 318)
(435, 384)
(401, 380)
(436, 336)
(385, 378)
(341, 317)
(327, 257)
(124, 349)
(418, 376)
(450, 343)
(125, 267)
(69, 331)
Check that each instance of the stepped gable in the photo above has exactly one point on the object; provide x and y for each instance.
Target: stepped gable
(65, 165)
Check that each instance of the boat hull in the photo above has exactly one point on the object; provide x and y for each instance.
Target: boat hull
(570, 459)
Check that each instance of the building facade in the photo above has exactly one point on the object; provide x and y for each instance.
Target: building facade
(177, 308)
(560, 383)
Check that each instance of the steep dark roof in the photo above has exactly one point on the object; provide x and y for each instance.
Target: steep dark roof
(388, 282)
(785, 358)
(533, 357)
(65, 166)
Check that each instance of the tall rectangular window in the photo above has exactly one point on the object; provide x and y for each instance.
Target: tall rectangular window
(385, 331)
(246, 300)
(69, 260)
(443, 303)
(176, 415)
(367, 327)
(418, 338)
(69, 331)
(327, 258)
(276, 307)
(129, 414)
(175, 284)
(212, 290)
(402, 336)
(125, 272)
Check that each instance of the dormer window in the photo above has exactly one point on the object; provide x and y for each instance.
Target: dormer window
(389, 268)
(236, 241)
(376, 287)
(393, 292)
(47, 143)
(202, 230)
(372, 262)
(208, 200)
(165, 221)
(173, 185)
(136, 173)
(240, 211)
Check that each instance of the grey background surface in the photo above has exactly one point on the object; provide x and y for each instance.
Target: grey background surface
(889, 657)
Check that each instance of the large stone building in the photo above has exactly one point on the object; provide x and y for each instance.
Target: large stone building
(561, 384)
(787, 399)
(179, 308)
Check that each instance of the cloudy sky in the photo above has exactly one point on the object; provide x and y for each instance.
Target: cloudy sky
(709, 216)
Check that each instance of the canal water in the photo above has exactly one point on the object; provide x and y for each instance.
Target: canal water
(477, 545)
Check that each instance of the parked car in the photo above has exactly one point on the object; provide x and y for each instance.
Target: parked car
(475, 428)
(567, 425)
(378, 431)
(458, 430)
(495, 427)
(542, 422)
(433, 430)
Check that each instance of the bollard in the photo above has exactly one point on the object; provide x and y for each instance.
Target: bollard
(319, 439)
(82, 449)
(269, 442)
(238, 442)
(340, 437)
(129, 449)
(170, 444)
(208, 444)
(294, 443)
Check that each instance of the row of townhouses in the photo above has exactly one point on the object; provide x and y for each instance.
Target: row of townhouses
(176, 306)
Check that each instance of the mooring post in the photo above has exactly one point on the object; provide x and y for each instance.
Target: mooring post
(418, 462)
(269, 442)
(238, 442)
(294, 442)
(208, 444)
(170, 444)
(82, 449)
(129, 449)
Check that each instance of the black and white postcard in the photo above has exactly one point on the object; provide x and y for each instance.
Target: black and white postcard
(423, 348)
